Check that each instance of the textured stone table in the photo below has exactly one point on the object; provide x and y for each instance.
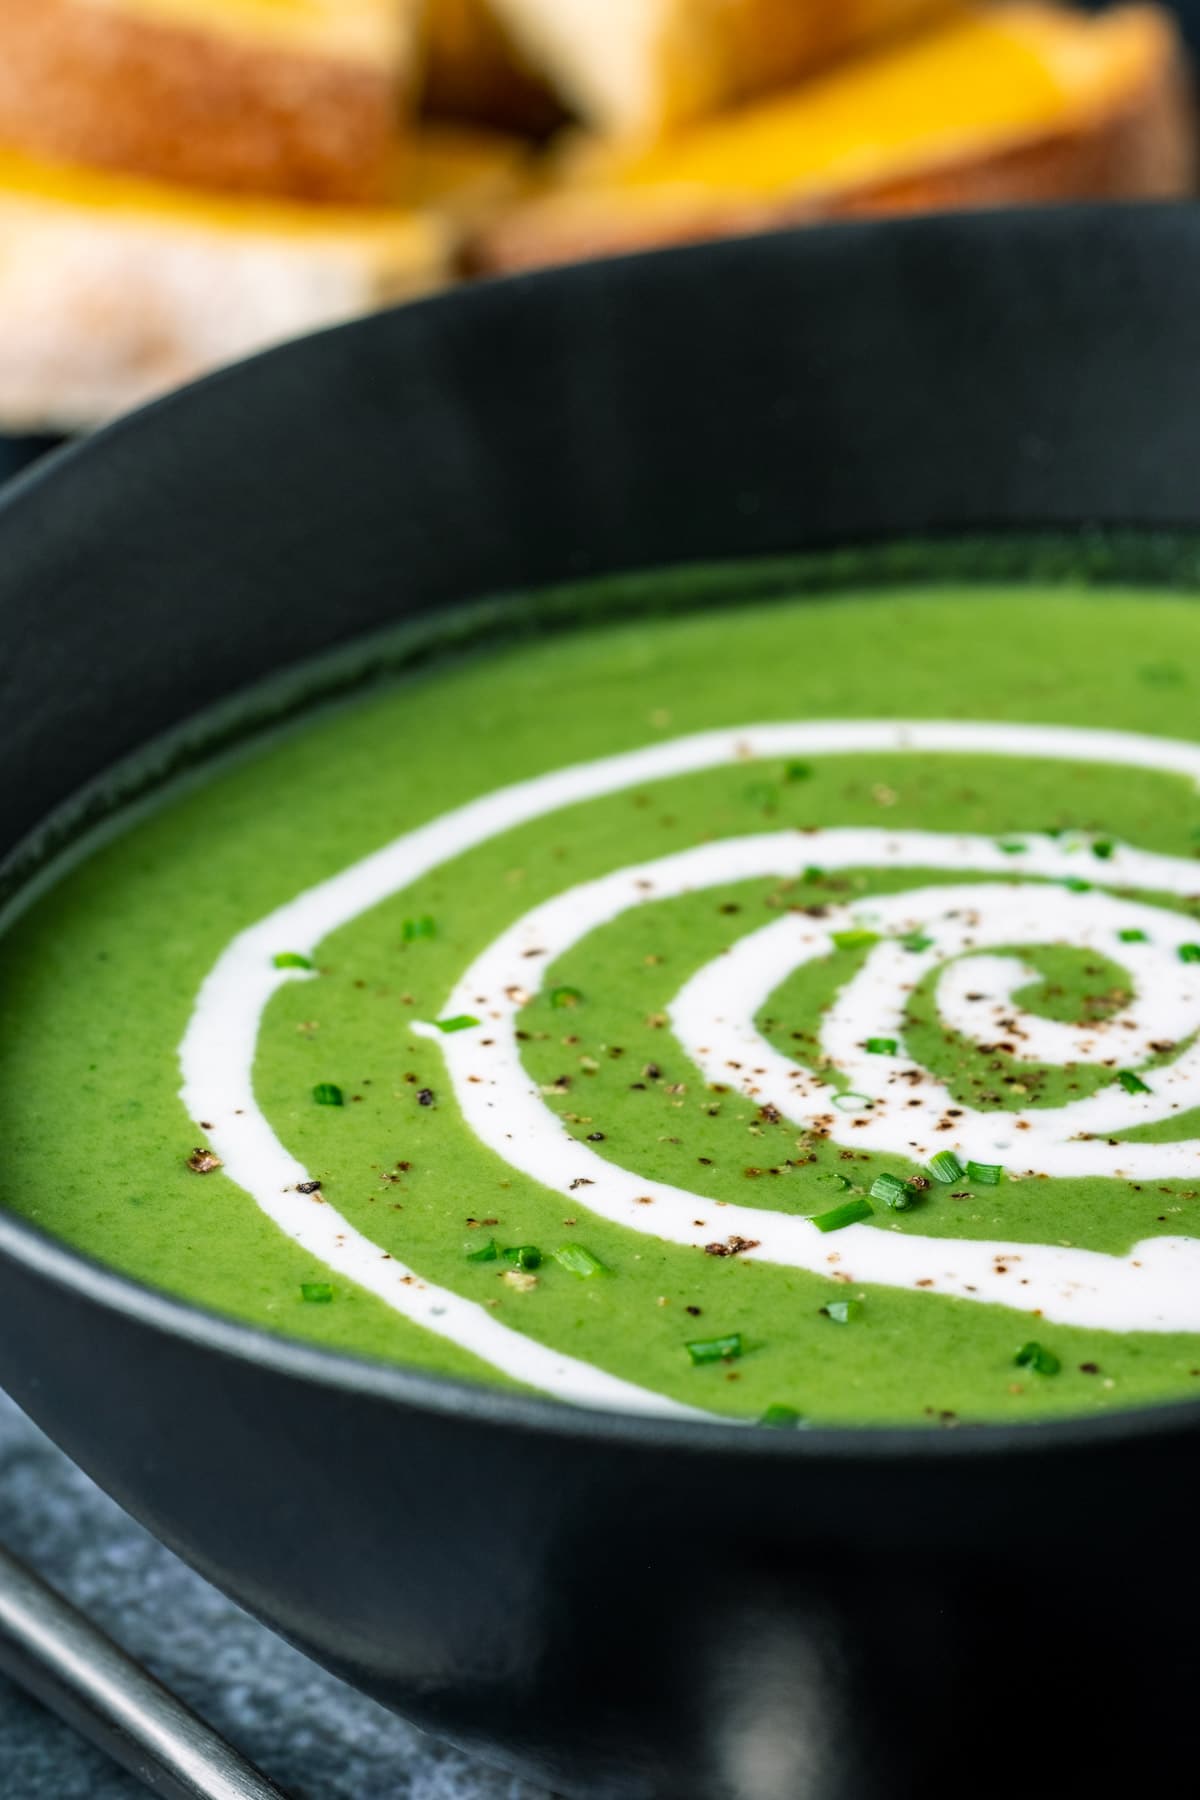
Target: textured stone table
(314, 1736)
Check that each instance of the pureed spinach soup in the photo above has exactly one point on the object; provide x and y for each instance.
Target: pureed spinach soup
(783, 1009)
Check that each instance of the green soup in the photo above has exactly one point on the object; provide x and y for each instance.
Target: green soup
(786, 1008)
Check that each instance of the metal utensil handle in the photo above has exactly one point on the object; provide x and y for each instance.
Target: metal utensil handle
(56, 1654)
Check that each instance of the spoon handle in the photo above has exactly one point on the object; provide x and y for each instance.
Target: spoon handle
(67, 1663)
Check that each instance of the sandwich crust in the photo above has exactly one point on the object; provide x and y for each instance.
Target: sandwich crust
(141, 92)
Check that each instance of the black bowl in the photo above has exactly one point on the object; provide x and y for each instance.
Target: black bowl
(620, 1606)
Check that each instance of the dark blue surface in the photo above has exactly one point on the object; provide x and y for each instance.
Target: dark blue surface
(315, 1737)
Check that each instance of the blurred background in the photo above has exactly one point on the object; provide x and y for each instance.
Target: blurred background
(185, 181)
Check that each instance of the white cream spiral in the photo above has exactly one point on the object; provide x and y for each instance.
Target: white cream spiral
(1156, 1286)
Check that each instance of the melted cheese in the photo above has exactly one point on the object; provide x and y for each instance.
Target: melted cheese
(636, 68)
(444, 172)
(997, 75)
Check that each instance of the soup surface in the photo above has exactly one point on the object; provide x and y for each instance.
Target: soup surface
(788, 1009)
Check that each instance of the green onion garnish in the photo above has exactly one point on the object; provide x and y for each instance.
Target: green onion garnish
(813, 873)
(317, 1293)
(1103, 848)
(1076, 885)
(843, 1312)
(1132, 935)
(460, 1022)
(523, 1256)
(1133, 1084)
(882, 1046)
(292, 959)
(1035, 1356)
(852, 1102)
(986, 1174)
(857, 938)
(1189, 952)
(412, 929)
(711, 1350)
(797, 771)
(1010, 847)
(565, 996)
(916, 941)
(852, 1213)
(328, 1093)
(579, 1261)
(489, 1252)
(783, 1418)
(893, 1192)
(946, 1167)
(763, 794)
(1163, 674)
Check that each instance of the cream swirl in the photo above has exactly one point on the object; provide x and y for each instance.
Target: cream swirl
(1008, 902)
(1154, 1288)
(908, 1111)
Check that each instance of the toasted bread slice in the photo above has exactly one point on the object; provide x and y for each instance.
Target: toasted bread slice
(639, 68)
(289, 97)
(114, 289)
(473, 71)
(1013, 104)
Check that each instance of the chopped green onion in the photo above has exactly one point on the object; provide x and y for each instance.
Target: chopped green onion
(1163, 674)
(843, 1312)
(1189, 952)
(916, 941)
(797, 771)
(488, 1253)
(882, 1046)
(893, 1192)
(565, 996)
(986, 1174)
(946, 1167)
(813, 873)
(523, 1256)
(852, 1213)
(460, 1022)
(1132, 935)
(843, 1182)
(579, 1261)
(857, 938)
(1010, 847)
(782, 1418)
(1133, 1084)
(711, 1350)
(292, 959)
(328, 1093)
(852, 1102)
(1077, 886)
(1035, 1356)
(412, 929)
(764, 795)
(1103, 848)
(317, 1293)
